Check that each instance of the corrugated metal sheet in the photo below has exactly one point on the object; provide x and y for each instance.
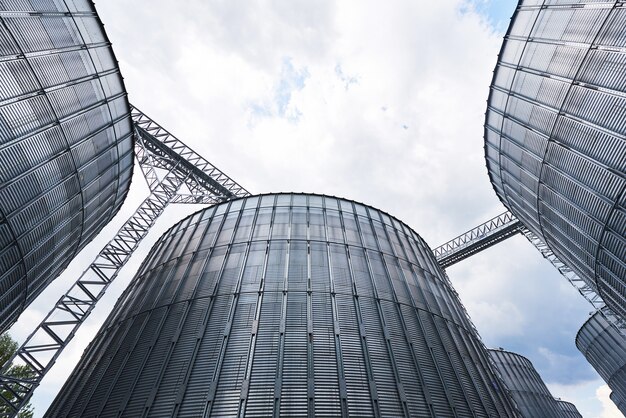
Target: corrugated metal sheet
(620, 402)
(605, 348)
(290, 305)
(530, 393)
(555, 135)
(568, 409)
(65, 143)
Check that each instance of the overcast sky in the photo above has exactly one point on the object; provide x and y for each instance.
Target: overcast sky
(380, 102)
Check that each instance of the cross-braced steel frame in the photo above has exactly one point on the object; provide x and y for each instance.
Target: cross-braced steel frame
(167, 164)
(587, 291)
(505, 226)
(477, 239)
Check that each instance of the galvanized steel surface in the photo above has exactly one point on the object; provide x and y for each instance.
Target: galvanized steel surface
(65, 142)
(287, 305)
(568, 409)
(530, 393)
(605, 348)
(555, 134)
(155, 149)
(619, 402)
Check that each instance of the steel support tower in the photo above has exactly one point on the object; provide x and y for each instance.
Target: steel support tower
(175, 174)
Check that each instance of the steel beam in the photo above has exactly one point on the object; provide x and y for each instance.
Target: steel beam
(477, 239)
(505, 226)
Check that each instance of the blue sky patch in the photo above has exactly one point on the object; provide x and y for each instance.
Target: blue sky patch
(291, 79)
(347, 79)
(497, 12)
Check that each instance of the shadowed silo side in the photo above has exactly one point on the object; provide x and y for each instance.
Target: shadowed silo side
(530, 393)
(605, 349)
(567, 409)
(619, 402)
(65, 142)
(289, 305)
(555, 135)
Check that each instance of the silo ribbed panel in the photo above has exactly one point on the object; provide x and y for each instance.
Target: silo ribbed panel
(619, 402)
(530, 393)
(555, 134)
(65, 142)
(605, 349)
(290, 305)
(568, 409)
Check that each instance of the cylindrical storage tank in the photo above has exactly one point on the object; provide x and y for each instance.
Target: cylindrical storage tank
(555, 135)
(525, 385)
(567, 409)
(290, 305)
(65, 142)
(605, 348)
(620, 403)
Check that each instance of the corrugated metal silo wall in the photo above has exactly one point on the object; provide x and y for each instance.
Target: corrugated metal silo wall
(605, 348)
(65, 142)
(620, 403)
(568, 410)
(288, 305)
(530, 393)
(555, 134)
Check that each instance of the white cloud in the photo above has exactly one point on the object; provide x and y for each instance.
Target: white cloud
(609, 410)
(591, 398)
(503, 318)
